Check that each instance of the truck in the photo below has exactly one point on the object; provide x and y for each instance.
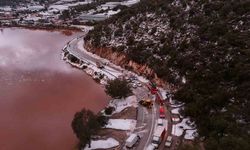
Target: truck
(162, 112)
(146, 103)
(132, 140)
(158, 136)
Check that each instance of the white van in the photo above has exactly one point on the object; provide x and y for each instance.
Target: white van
(160, 122)
(131, 140)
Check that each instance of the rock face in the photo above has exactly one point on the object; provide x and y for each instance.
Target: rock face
(120, 59)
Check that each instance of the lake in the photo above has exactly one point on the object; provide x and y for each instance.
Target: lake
(39, 92)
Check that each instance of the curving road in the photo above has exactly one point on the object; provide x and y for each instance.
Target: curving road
(146, 118)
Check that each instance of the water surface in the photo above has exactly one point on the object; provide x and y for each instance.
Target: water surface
(39, 92)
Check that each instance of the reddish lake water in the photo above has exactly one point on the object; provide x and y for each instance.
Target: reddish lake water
(39, 92)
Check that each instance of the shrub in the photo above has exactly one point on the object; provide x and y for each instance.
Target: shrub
(109, 110)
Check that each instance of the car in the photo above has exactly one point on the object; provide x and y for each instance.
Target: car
(160, 122)
(169, 141)
(133, 81)
(134, 85)
(139, 84)
(175, 119)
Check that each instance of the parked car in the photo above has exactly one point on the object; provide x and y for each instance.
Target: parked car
(160, 122)
(134, 85)
(132, 140)
(158, 136)
(169, 141)
(175, 119)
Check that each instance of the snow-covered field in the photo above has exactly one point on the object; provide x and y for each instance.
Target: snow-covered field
(190, 134)
(103, 144)
(121, 104)
(178, 129)
(121, 124)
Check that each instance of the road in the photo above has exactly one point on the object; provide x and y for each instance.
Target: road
(146, 118)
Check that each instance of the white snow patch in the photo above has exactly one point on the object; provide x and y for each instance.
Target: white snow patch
(121, 104)
(163, 93)
(190, 134)
(178, 129)
(103, 144)
(176, 111)
(121, 124)
(142, 79)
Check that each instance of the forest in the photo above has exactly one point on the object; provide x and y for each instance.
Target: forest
(206, 43)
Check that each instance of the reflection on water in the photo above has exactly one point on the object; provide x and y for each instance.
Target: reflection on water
(39, 93)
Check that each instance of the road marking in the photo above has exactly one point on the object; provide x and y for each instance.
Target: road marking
(143, 116)
(152, 127)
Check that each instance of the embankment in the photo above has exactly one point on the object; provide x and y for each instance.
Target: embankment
(120, 59)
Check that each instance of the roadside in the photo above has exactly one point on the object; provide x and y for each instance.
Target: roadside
(103, 70)
(87, 62)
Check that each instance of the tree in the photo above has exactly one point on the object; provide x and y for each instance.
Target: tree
(65, 15)
(118, 88)
(85, 124)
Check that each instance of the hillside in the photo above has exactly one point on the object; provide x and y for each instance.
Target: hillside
(201, 47)
(17, 2)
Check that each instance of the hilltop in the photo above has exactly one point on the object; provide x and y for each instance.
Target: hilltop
(202, 47)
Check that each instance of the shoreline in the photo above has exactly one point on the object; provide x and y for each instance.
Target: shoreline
(171, 104)
(47, 28)
(129, 112)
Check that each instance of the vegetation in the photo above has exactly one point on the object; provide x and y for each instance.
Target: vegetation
(86, 124)
(109, 110)
(15, 2)
(205, 42)
(65, 15)
(118, 88)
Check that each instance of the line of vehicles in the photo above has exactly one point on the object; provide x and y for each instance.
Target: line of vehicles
(159, 134)
(133, 81)
(161, 127)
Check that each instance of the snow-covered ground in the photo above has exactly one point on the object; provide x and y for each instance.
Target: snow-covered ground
(64, 5)
(142, 79)
(163, 93)
(190, 134)
(178, 129)
(121, 124)
(121, 104)
(130, 2)
(176, 111)
(103, 144)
